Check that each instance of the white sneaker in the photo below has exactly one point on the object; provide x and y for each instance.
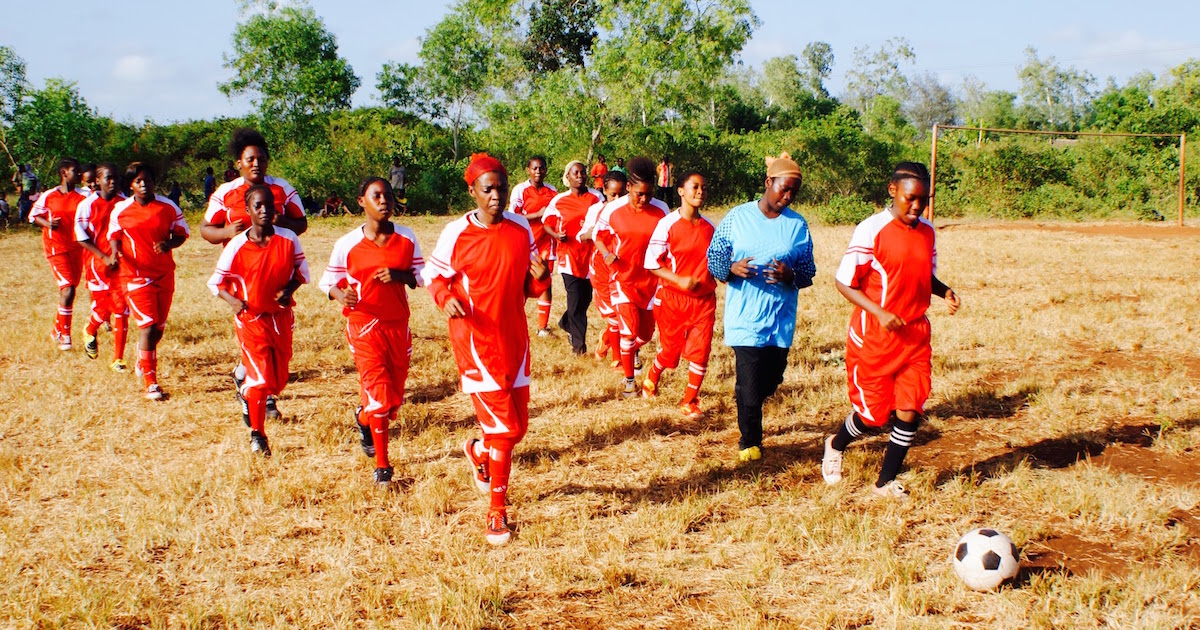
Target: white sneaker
(154, 392)
(542, 332)
(831, 463)
(891, 490)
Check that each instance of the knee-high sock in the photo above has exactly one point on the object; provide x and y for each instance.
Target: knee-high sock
(499, 467)
(852, 429)
(695, 378)
(656, 370)
(543, 306)
(628, 354)
(120, 333)
(897, 447)
(256, 400)
(613, 339)
(379, 435)
(148, 364)
(63, 321)
(95, 321)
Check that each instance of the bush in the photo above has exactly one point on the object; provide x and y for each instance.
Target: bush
(843, 210)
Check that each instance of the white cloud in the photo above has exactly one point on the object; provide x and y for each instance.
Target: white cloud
(139, 69)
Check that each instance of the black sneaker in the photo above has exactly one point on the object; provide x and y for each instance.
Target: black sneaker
(383, 476)
(258, 444)
(90, 346)
(367, 442)
(272, 410)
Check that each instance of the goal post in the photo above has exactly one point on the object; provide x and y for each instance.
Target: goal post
(937, 129)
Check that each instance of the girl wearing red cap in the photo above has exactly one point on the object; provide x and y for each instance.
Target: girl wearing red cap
(483, 269)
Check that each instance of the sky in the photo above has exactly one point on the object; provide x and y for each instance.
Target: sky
(162, 61)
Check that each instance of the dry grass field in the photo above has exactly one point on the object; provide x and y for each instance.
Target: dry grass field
(1065, 412)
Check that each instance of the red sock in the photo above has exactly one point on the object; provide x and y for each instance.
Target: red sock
(63, 321)
(628, 352)
(695, 378)
(543, 314)
(499, 467)
(656, 370)
(379, 435)
(256, 400)
(148, 364)
(94, 322)
(614, 341)
(120, 330)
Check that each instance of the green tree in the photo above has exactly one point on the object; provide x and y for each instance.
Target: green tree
(818, 64)
(12, 93)
(979, 106)
(1057, 97)
(457, 62)
(929, 103)
(55, 122)
(877, 73)
(288, 62)
(782, 83)
(561, 34)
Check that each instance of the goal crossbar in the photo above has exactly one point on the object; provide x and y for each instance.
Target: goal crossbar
(937, 129)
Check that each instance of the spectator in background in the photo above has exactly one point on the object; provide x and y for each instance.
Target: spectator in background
(28, 189)
(333, 205)
(4, 209)
(620, 167)
(665, 191)
(230, 172)
(396, 176)
(175, 193)
(210, 183)
(599, 170)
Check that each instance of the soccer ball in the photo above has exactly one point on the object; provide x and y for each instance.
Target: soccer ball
(984, 558)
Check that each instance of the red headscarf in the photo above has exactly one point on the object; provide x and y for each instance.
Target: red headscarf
(482, 163)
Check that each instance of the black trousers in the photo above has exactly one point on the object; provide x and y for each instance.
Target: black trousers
(574, 320)
(759, 374)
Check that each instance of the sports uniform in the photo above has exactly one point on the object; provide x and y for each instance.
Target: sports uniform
(108, 302)
(626, 232)
(685, 318)
(377, 326)
(566, 214)
(527, 199)
(228, 203)
(601, 279)
(487, 269)
(893, 263)
(62, 250)
(255, 273)
(147, 277)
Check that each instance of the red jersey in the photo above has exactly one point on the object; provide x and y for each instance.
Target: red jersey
(256, 272)
(598, 172)
(567, 213)
(597, 268)
(140, 228)
(228, 202)
(91, 224)
(56, 204)
(626, 233)
(486, 267)
(682, 246)
(526, 199)
(893, 263)
(355, 261)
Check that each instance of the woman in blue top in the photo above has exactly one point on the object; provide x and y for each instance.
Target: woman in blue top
(763, 250)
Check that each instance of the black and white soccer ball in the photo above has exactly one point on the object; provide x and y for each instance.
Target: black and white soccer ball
(984, 558)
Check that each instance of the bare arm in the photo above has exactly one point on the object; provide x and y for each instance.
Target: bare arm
(299, 225)
(856, 297)
(218, 234)
(687, 283)
(940, 289)
(237, 305)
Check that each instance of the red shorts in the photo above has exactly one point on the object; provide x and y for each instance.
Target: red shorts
(99, 278)
(503, 416)
(889, 371)
(67, 267)
(546, 247)
(266, 343)
(637, 323)
(382, 352)
(150, 304)
(108, 303)
(685, 327)
(600, 294)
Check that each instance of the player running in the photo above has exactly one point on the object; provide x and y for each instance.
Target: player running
(888, 273)
(91, 231)
(485, 266)
(686, 310)
(257, 274)
(227, 216)
(600, 274)
(143, 230)
(564, 221)
(622, 235)
(54, 211)
(367, 273)
(530, 199)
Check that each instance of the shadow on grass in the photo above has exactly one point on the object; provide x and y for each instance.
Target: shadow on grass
(985, 404)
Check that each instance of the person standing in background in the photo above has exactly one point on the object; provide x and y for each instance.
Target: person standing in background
(210, 183)
(663, 171)
(599, 170)
(396, 176)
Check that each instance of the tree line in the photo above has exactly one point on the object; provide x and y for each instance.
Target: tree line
(573, 79)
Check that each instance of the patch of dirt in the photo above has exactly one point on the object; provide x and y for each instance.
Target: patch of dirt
(1160, 467)
(1158, 231)
(1089, 359)
(1075, 556)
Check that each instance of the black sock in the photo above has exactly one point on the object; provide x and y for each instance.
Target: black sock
(897, 447)
(850, 430)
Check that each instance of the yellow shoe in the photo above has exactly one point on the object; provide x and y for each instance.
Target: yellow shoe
(119, 366)
(649, 389)
(751, 454)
